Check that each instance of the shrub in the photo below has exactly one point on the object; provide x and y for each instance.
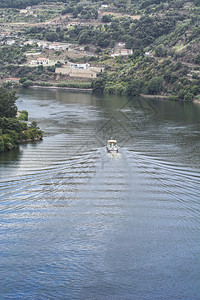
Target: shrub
(8, 143)
(188, 97)
(14, 136)
(155, 86)
(23, 116)
(27, 83)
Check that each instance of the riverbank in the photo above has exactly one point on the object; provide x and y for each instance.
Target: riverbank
(82, 90)
(154, 96)
(69, 89)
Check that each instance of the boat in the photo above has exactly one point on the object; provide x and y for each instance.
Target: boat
(112, 146)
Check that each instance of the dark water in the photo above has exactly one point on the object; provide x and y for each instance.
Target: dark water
(77, 223)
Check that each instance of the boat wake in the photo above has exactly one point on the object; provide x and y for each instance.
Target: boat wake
(115, 155)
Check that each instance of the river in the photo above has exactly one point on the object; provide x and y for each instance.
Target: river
(79, 223)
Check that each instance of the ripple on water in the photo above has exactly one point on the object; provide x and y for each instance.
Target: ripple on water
(79, 223)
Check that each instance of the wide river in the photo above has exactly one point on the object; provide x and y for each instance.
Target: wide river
(79, 223)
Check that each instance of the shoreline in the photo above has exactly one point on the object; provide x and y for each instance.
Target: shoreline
(90, 91)
(82, 90)
(161, 97)
(69, 89)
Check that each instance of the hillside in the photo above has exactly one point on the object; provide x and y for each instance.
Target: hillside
(164, 37)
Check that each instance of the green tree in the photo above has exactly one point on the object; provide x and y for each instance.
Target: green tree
(155, 86)
(8, 108)
(27, 83)
(188, 97)
(160, 51)
(106, 18)
(134, 88)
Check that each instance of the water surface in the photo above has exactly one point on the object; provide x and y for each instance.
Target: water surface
(78, 223)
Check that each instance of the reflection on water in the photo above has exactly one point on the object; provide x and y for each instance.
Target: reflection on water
(10, 156)
(79, 223)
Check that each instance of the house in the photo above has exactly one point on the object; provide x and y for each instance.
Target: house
(58, 46)
(23, 11)
(126, 52)
(79, 66)
(104, 6)
(122, 52)
(10, 42)
(73, 24)
(12, 80)
(31, 42)
(148, 54)
(120, 45)
(82, 48)
(43, 44)
(115, 54)
(40, 61)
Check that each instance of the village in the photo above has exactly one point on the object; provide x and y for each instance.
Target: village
(100, 47)
(67, 58)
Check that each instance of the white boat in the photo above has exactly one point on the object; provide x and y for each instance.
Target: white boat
(112, 146)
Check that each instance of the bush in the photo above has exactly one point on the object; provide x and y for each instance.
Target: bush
(8, 143)
(106, 18)
(11, 124)
(24, 136)
(173, 98)
(155, 86)
(83, 85)
(14, 136)
(23, 116)
(27, 83)
(188, 97)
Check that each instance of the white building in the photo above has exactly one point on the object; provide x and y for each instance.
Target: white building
(73, 24)
(12, 80)
(10, 42)
(40, 61)
(23, 11)
(123, 52)
(126, 52)
(31, 42)
(43, 44)
(79, 66)
(120, 45)
(148, 54)
(58, 46)
(104, 6)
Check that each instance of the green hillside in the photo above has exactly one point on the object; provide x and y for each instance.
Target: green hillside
(163, 35)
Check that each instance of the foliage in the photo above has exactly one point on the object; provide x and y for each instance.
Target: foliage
(14, 132)
(8, 108)
(27, 83)
(136, 33)
(12, 129)
(23, 115)
(155, 86)
(106, 18)
(12, 55)
(24, 3)
(83, 85)
(168, 30)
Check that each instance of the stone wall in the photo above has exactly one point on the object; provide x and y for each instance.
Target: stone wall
(80, 73)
